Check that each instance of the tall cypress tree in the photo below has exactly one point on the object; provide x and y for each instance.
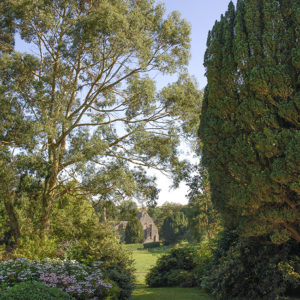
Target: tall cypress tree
(250, 125)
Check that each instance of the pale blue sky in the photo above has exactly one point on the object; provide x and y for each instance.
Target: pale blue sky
(201, 15)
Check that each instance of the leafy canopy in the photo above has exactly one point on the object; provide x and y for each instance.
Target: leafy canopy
(80, 103)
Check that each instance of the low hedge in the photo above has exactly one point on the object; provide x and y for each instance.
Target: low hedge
(151, 245)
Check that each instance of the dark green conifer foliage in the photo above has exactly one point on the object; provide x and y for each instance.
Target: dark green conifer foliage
(134, 232)
(175, 228)
(250, 117)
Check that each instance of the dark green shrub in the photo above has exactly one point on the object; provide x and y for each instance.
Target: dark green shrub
(112, 294)
(181, 267)
(123, 276)
(34, 291)
(182, 278)
(254, 268)
(152, 245)
(134, 232)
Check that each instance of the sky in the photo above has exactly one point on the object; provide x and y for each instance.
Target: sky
(201, 14)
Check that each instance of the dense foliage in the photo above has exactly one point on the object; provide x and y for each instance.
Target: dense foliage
(204, 220)
(77, 235)
(134, 232)
(31, 290)
(122, 277)
(78, 102)
(250, 118)
(253, 268)
(174, 228)
(183, 266)
(160, 213)
(250, 137)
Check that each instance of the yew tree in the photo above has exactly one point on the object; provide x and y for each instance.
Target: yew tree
(250, 126)
(134, 232)
(78, 77)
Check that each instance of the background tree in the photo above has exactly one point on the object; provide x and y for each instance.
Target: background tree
(134, 232)
(250, 118)
(86, 93)
(127, 210)
(174, 228)
(204, 220)
(160, 213)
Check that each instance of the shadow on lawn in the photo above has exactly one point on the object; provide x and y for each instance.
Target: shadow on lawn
(145, 293)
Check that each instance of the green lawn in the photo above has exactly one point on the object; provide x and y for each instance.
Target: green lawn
(144, 260)
(145, 293)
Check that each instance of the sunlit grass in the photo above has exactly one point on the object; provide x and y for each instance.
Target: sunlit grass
(144, 259)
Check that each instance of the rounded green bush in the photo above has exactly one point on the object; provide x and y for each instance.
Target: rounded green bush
(181, 267)
(31, 290)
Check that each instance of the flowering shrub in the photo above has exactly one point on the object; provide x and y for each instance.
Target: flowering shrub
(78, 280)
(117, 263)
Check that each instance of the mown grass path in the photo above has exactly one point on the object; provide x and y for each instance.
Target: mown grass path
(144, 260)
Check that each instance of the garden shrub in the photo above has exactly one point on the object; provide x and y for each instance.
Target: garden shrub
(78, 280)
(35, 247)
(181, 267)
(117, 263)
(85, 240)
(34, 291)
(98, 242)
(103, 246)
(253, 268)
(123, 277)
(151, 245)
(182, 278)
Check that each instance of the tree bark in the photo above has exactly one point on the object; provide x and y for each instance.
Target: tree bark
(50, 184)
(294, 233)
(12, 217)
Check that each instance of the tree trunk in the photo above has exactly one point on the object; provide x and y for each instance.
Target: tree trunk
(104, 214)
(48, 194)
(12, 217)
(294, 233)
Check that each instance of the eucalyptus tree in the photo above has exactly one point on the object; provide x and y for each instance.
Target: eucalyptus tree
(85, 88)
(250, 118)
